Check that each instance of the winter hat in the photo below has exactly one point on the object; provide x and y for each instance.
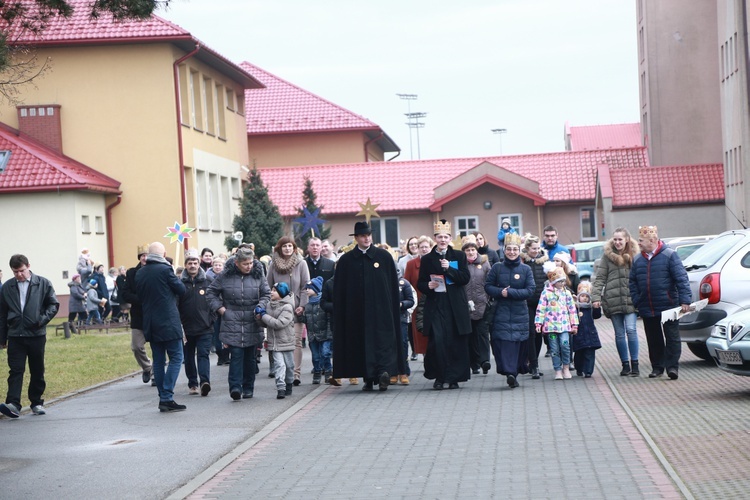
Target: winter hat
(192, 253)
(584, 287)
(563, 256)
(282, 289)
(556, 275)
(315, 284)
(505, 221)
(75, 276)
(93, 282)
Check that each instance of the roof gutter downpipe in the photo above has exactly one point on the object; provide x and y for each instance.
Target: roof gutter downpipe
(183, 188)
(367, 145)
(110, 236)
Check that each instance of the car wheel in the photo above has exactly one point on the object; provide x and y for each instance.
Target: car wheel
(700, 350)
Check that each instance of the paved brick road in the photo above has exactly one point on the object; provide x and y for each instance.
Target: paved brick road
(609, 436)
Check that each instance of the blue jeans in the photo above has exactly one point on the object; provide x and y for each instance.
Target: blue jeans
(201, 343)
(95, 316)
(559, 346)
(242, 369)
(166, 379)
(626, 324)
(321, 355)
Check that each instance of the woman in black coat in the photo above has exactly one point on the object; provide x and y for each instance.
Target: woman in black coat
(443, 273)
(511, 284)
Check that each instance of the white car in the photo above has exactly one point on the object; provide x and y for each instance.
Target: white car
(720, 272)
(729, 344)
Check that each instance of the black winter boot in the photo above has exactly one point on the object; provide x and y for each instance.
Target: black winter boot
(625, 369)
(316, 377)
(634, 371)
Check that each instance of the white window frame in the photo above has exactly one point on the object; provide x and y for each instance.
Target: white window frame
(85, 224)
(381, 228)
(460, 233)
(595, 236)
(517, 216)
(99, 224)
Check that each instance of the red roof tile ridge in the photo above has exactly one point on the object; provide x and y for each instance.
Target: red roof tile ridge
(252, 69)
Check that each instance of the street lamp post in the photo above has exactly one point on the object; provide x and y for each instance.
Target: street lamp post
(500, 132)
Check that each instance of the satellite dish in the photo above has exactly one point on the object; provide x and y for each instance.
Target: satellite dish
(237, 236)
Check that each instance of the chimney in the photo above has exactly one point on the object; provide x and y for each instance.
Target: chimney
(41, 122)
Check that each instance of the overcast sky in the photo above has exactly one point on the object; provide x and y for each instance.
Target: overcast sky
(523, 65)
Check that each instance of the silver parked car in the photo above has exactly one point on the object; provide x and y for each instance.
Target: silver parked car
(729, 344)
(720, 272)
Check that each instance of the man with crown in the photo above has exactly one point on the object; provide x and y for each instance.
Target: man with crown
(658, 281)
(443, 273)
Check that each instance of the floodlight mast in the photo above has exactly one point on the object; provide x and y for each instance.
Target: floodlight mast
(408, 98)
(500, 132)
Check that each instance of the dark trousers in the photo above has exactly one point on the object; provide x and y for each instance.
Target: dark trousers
(21, 349)
(664, 347)
(535, 340)
(202, 345)
(479, 343)
(584, 360)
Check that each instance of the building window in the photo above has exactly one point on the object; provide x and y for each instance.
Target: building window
(195, 98)
(201, 193)
(213, 193)
(235, 188)
(50, 111)
(85, 224)
(4, 157)
(230, 99)
(465, 225)
(208, 105)
(241, 104)
(588, 223)
(220, 124)
(99, 224)
(226, 194)
(385, 230)
(185, 95)
(516, 222)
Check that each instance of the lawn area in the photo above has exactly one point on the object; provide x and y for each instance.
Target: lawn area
(80, 361)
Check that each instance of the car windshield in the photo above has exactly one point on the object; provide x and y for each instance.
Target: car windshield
(707, 255)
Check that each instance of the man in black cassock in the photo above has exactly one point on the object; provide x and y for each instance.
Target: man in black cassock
(367, 328)
(443, 274)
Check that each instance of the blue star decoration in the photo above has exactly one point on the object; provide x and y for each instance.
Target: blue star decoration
(310, 221)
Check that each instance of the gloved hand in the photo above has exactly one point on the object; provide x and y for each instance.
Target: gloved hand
(260, 311)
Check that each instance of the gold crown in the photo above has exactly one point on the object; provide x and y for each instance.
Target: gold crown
(513, 239)
(442, 226)
(648, 232)
(557, 274)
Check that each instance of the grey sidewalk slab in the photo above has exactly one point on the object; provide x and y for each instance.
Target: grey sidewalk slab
(546, 439)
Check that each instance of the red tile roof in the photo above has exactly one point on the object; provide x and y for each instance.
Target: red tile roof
(567, 176)
(81, 29)
(33, 167)
(673, 185)
(283, 108)
(624, 135)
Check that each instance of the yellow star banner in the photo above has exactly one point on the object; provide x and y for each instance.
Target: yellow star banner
(368, 210)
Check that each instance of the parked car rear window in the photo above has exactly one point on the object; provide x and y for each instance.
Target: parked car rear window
(745, 262)
(707, 255)
(589, 254)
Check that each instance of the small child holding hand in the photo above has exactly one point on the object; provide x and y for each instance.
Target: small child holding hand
(556, 316)
(279, 321)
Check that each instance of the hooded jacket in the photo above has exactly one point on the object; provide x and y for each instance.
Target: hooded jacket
(511, 319)
(611, 286)
(239, 294)
(76, 303)
(279, 320)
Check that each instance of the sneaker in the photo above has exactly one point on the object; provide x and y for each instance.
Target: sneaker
(10, 410)
(171, 406)
(271, 375)
(247, 395)
(297, 381)
(193, 391)
(486, 367)
(316, 378)
(414, 356)
(672, 374)
(280, 394)
(146, 377)
(558, 375)
(38, 410)
(236, 395)
(205, 388)
(394, 380)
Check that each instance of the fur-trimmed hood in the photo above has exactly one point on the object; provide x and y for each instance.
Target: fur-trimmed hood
(621, 259)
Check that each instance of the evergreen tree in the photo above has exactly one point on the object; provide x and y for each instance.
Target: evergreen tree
(259, 219)
(309, 200)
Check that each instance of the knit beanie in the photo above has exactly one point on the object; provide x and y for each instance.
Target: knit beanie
(315, 284)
